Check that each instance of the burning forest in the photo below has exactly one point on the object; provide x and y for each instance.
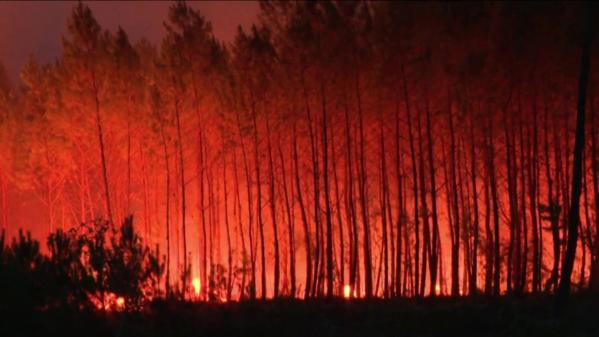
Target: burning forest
(331, 153)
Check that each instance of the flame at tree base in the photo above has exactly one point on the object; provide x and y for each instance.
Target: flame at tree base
(197, 286)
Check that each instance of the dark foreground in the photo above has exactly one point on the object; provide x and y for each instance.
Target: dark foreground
(528, 316)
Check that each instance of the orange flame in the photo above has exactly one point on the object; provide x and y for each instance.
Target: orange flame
(120, 303)
(195, 283)
(346, 291)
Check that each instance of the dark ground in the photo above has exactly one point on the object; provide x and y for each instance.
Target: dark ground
(526, 316)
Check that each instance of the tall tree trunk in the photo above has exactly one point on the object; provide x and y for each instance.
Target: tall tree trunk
(202, 210)
(167, 212)
(414, 182)
(363, 198)
(495, 204)
(455, 248)
(290, 222)
(552, 208)
(259, 204)
(586, 236)
(100, 131)
(340, 222)
(383, 193)
(182, 182)
(594, 277)
(475, 230)
(240, 228)
(250, 205)
(351, 206)
(524, 163)
(316, 191)
(488, 233)
(533, 197)
(400, 214)
(273, 213)
(574, 212)
(512, 203)
(300, 200)
(327, 199)
(426, 245)
(226, 214)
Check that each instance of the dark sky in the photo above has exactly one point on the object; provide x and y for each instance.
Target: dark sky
(30, 27)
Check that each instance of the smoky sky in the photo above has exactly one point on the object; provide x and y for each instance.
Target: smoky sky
(35, 28)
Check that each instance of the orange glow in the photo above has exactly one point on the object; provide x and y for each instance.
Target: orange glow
(195, 283)
(111, 301)
(346, 291)
(120, 303)
(197, 195)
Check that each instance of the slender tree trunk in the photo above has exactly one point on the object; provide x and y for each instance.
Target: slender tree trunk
(129, 162)
(212, 238)
(488, 232)
(300, 200)
(290, 222)
(339, 219)
(146, 193)
(425, 216)
(327, 199)
(226, 214)
(455, 248)
(316, 191)
(273, 213)
(465, 206)
(511, 199)
(594, 277)
(167, 212)
(585, 236)
(202, 210)
(250, 205)
(552, 209)
(414, 183)
(351, 207)
(363, 198)
(475, 230)
(495, 204)
(448, 197)
(574, 214)
(240, 229)
(259, 204)
(524, 163)
(533, 197)
(102, 147)
(182, 182)
(400, 202)
(383, 193)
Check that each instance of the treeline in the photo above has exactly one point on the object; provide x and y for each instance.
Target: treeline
(334, 149)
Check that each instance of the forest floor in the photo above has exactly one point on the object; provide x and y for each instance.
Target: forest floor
(504, 316)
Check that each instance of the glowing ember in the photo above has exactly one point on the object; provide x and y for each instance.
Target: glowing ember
(120, 303)
(195, 283)
(437, 288)
(346, 291)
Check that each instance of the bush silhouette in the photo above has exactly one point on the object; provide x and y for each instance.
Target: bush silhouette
(23, 270)
(91, 265)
